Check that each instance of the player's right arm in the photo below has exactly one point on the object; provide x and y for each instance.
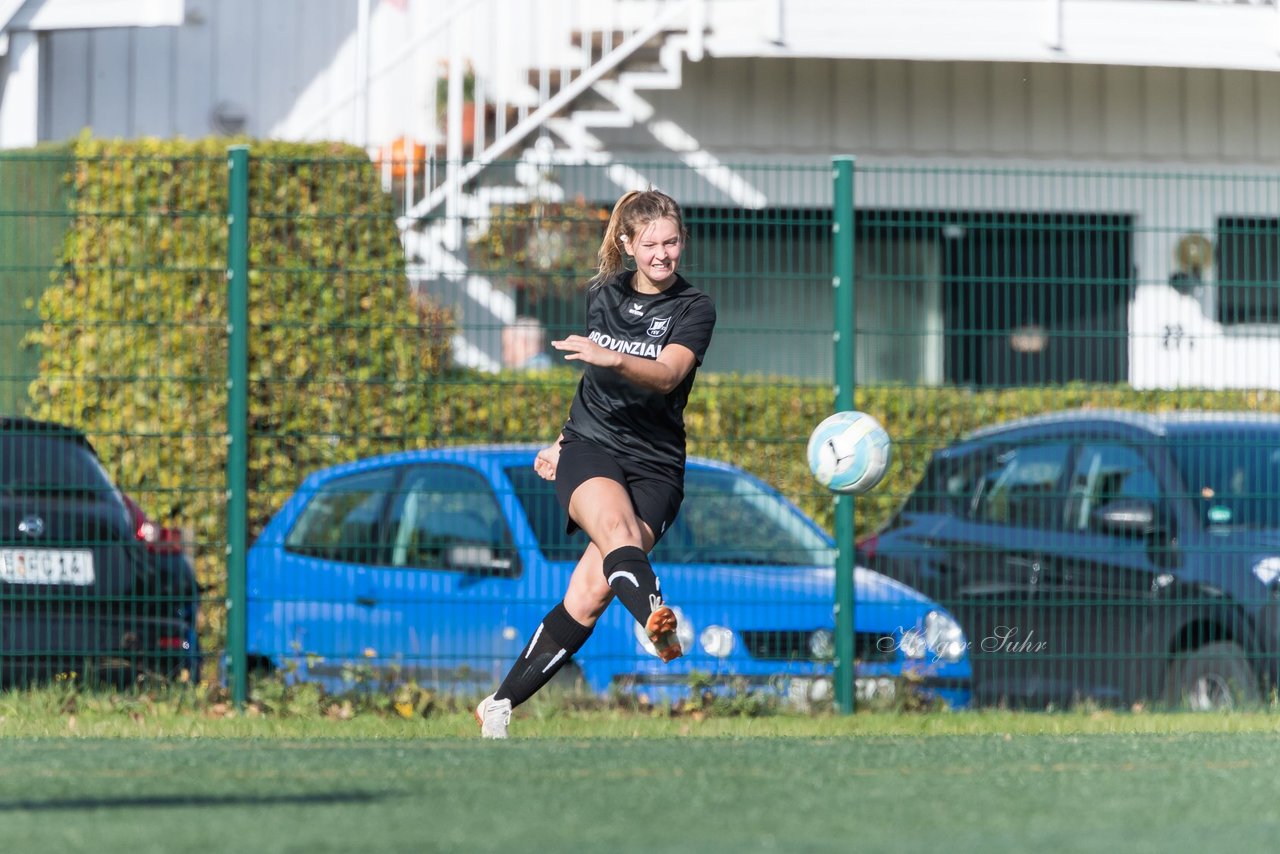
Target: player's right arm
(548, 459)
(661, 374)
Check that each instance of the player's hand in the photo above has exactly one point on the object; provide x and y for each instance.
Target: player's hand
(579, 348)
(547, 460)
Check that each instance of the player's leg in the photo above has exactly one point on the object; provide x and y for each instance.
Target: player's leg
(597, 495)
(557, 638)
(589, 594)
(603, 508)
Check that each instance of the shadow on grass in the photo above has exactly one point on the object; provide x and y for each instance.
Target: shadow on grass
(162, 801)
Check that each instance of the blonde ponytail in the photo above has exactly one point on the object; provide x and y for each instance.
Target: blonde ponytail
(610, 254)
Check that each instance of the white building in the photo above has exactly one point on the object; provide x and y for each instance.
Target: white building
(1144, 133)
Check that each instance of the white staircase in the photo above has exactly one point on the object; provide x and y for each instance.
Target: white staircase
(548, 118)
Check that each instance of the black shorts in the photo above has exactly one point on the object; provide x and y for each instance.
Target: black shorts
(656, 499)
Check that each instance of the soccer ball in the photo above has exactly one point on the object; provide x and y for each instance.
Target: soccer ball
(849, 452)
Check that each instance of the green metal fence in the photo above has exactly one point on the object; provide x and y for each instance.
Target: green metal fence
(32, 221)
(462, 555)
(1111, 547)
(226, 326)
(96, 578)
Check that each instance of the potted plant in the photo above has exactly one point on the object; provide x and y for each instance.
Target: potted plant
(468, 104)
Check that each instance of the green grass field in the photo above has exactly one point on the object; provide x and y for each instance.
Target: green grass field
(155, 780)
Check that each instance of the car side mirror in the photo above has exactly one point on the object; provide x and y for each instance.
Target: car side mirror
(481, 560)
(1133, 517)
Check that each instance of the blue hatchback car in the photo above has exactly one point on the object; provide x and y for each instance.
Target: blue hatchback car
(435, 565)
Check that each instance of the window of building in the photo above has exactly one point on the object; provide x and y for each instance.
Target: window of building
(1248, 262)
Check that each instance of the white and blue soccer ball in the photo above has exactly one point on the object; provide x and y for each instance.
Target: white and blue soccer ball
(849, 452)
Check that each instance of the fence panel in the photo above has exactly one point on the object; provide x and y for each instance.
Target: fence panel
(437, 562)
(1118, 553)
(1110, 547)
(103, 513)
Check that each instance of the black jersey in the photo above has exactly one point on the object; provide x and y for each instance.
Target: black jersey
(636, 423)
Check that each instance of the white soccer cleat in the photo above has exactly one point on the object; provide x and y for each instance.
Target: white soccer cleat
(493, 716)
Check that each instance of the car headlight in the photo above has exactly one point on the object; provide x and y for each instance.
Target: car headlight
(822, 645)
(1267, 570)
(684, 632)
(944, 637)
(715, 640)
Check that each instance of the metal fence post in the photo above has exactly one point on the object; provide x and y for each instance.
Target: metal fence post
(842, 284)
(237, 415)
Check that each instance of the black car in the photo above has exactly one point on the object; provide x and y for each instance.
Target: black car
(88, 586)
(1114, 557)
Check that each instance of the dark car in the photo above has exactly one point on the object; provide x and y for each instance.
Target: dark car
(433, 565)
(1115, 557)
(88, 584)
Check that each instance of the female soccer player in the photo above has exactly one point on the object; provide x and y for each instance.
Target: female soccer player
(618, 463)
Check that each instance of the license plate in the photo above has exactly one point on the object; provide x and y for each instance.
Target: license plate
(47, 566)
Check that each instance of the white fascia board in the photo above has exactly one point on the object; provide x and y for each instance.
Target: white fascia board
(44, 15)
(1100, 32)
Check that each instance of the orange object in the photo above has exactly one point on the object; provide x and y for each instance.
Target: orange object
(400, 152)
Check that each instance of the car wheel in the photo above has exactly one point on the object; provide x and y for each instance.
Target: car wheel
(1215, 676)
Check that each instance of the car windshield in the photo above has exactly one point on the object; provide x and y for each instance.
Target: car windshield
(49, 465)
(726, 518)
(1234, 476)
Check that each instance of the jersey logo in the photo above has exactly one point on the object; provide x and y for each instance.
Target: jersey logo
(632, 348)
(658, 327)
(637, 309)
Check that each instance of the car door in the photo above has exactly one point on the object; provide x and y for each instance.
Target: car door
(305, 606)
(446, 606)
(1017, 503)
(1099, 586)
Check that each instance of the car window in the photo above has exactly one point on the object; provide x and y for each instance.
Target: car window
(342, 521)
(1233, 476)
(727, 518)
(33, 464)
(446, 517)
(950, 484)
(1107, 473)
(1021, 487)
(542, 509)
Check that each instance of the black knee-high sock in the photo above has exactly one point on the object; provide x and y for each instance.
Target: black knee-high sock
(554, 642)
(633, 581)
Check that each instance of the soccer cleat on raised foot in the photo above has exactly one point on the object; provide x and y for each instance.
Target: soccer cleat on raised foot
(661, 628)
(493, 717)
